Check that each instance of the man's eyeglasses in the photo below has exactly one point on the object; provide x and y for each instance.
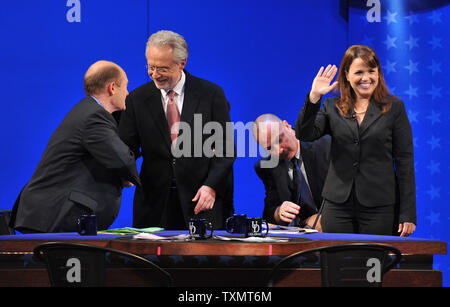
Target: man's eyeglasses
(158, 69)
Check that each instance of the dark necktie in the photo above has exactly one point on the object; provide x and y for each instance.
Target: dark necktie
(173, 117)
(302, 192)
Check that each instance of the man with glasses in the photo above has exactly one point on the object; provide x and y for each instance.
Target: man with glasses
(159, 114)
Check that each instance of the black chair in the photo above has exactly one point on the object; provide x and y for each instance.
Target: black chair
(345, 265)
(82, 265)
(5, 217)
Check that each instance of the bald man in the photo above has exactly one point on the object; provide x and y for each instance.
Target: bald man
(285, 202)
(85, 164)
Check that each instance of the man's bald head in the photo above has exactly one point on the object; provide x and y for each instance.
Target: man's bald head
(275, 136)
(99, 75)
(266, 126)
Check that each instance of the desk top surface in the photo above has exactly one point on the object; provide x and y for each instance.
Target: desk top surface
(311, 236)
(27, 242)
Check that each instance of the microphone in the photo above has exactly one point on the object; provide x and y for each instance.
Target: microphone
(318, 214)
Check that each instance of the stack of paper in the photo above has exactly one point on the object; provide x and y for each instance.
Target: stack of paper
(152, 237)
(278, 229)
(252, 239)
(131, 230)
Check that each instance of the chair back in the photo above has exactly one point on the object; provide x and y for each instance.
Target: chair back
(83, 265)
(5, 217)
(345, 265)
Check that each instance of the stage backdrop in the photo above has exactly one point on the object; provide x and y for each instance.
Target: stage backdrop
(412, 40)
(264, 54)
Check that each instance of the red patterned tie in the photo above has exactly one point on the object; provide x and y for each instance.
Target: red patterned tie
(173, 117)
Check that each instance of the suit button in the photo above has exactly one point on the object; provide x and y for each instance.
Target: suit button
(356, 141)
(356, 164)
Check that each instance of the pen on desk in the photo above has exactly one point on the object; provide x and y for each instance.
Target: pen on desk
(274, 226)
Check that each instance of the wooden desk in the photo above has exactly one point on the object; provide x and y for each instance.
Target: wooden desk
(201, 264)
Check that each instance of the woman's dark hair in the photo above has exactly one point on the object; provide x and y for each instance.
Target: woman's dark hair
(348, 96)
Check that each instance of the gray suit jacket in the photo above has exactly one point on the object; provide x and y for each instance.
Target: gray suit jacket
(80, 172)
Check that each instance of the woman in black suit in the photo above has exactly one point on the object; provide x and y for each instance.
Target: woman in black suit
(371, 173)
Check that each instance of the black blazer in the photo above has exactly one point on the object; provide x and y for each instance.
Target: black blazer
(143, 126)
(279, 186)
(82, 165)
(376, 158)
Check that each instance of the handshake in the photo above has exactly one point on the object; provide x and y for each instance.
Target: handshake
(126, 184)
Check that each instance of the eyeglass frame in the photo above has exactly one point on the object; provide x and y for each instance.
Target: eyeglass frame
(160, 70)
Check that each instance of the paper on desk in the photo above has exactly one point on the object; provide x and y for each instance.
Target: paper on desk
(290, 230)
(152, 237)
(307, 230)
(251, 239)
(299, 231)
(130, 230)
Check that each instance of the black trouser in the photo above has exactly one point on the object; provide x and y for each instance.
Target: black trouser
(172, 217)
(353, 217)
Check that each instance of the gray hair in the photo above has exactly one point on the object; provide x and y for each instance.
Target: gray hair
(169, 38)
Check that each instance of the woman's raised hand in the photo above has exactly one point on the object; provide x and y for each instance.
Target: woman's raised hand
(321, 84)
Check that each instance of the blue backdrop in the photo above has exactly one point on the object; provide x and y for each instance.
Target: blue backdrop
(412, 41)
(264, 54)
